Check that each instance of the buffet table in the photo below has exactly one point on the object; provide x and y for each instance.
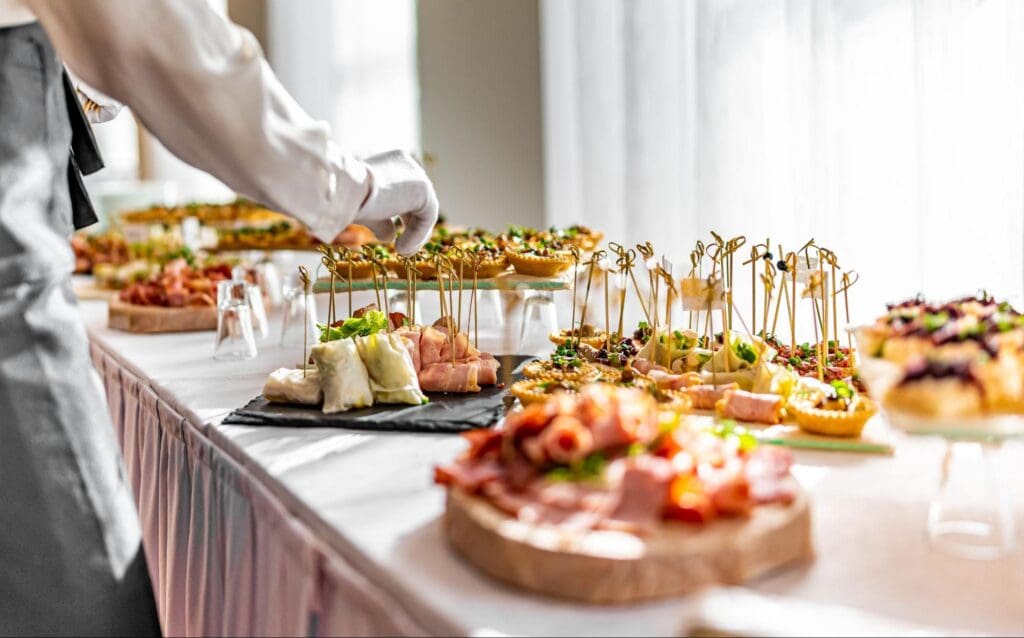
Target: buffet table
(284, 531)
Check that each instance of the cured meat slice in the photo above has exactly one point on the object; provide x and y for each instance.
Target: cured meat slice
(642, 493)
(747, 406)
(411, 338)
(432, 344)
(445, 377)
(706, 396)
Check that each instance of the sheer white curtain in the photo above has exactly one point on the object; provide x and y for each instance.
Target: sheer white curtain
(889, 130)
(351, 63)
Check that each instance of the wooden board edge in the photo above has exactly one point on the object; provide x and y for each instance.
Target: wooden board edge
(729, 552)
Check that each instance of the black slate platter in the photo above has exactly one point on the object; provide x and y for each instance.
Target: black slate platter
(444, 413)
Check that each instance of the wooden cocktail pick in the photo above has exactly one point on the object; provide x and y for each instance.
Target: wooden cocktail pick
(849, 278)
(575, 251)
(328, 261)
(586, 295)
(306, 281)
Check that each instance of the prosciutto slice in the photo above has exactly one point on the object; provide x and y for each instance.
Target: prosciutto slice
(642, 493)
(445, 377)
(432, 345)
(488, 374)
(706, 396)
(747, 406)
(411, 338)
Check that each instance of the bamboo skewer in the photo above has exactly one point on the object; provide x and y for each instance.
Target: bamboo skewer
(575, 284)
(586, 297)
(305, 279)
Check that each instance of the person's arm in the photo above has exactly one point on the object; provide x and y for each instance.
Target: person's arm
(201, 85)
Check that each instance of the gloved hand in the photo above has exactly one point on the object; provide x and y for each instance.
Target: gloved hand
(399, 188)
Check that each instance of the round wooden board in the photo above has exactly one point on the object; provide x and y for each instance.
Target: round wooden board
(617, 567)
(156, 319)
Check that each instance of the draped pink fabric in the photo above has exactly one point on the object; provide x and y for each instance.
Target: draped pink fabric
(226, 555)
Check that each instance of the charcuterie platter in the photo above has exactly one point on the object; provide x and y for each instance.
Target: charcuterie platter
(601, 497)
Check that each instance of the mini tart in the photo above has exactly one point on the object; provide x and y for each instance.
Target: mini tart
(490, 267)
(546, 370)
(560, 337)
(530, 391)
(360, 269)
(427, 270)
(540, 266)
(846, 423)
(586, 241)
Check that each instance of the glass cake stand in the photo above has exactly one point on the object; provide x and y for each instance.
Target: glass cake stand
(971, 514)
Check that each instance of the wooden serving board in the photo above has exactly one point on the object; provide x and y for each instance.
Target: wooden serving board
(155, 319)
(617, 567)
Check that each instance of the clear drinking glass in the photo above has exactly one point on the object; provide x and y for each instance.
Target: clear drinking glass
(540, 319)
(254, 296)
(235, 338)
(300, 310)
(268, 278)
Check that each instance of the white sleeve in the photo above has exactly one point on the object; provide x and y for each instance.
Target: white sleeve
(201, 85)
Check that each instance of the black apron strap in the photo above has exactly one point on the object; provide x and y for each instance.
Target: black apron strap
(85, 158)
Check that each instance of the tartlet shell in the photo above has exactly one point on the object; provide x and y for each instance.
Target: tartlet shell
(538, 266)
(544, 370)
(832, 422)
(527, 393)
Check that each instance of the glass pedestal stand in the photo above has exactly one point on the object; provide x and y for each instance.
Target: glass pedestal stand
(971, 514)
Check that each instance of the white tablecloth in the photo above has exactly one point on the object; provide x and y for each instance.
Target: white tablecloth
(260, 530)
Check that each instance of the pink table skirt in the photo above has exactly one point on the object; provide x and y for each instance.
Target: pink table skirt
(226, 555)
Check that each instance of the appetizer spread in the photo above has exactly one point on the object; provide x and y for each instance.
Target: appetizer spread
(734, 371)
(242, 225)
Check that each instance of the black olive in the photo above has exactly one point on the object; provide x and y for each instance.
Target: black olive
(768, 257)
(781, 265)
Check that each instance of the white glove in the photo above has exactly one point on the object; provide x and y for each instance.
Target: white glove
(399, 188)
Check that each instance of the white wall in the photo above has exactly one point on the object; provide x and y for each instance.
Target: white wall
(481, 109)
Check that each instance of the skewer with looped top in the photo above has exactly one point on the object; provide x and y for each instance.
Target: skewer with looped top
(646, 250)
(409, 263)
(444, 265)
(594, 258)
(731, 247)
(626, 260)
(768, 282)
(377, 268)
(327, 259)
(696, 270)
(476, 260)
(790, 263)
(455, 252)
(307, 288)
(834, 266)
(849, 278)
(345, 255)
(825, 256)
(756, 255)
(575, 252)
(670, 289)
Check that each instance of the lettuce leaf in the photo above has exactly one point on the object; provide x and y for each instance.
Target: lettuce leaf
(370, 323)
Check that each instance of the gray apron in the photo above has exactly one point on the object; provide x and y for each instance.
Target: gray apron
(70, 553)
